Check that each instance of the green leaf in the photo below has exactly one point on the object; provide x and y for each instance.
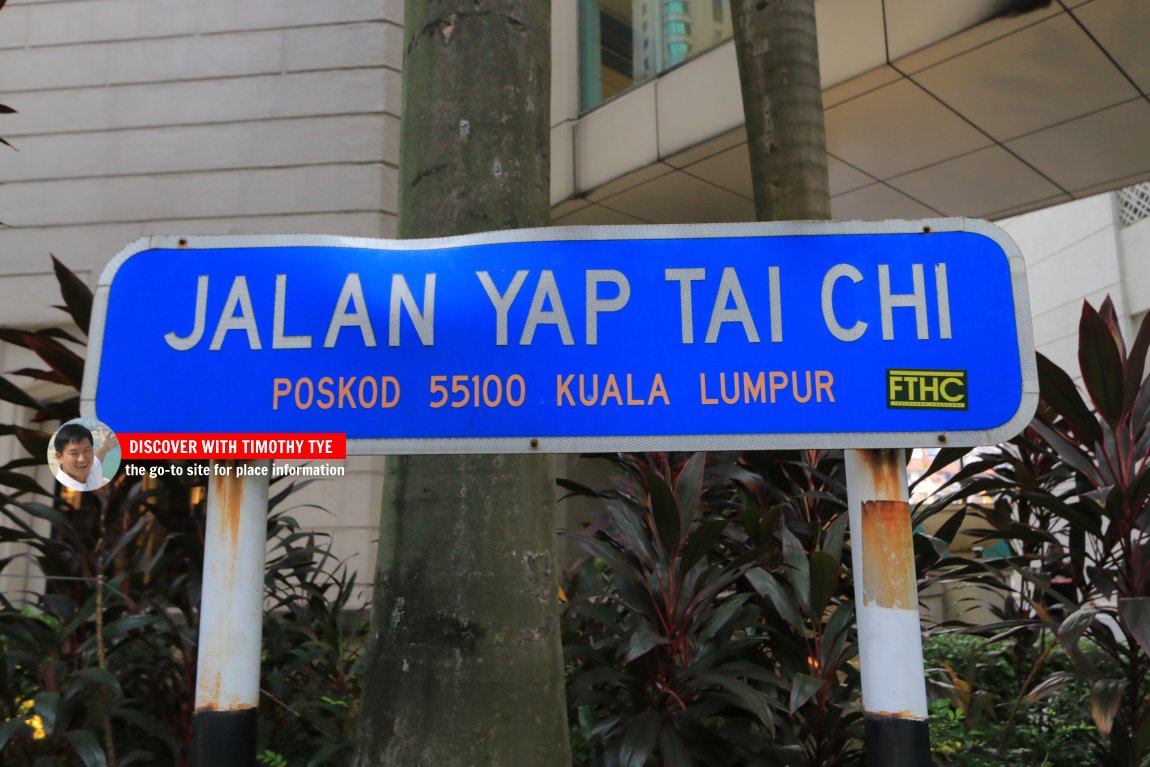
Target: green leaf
(945, 457)
(721, 617)
(1070, 633)
(60, 358)
(1074, 457)
(832, 542)
(1105, 699)
(323, 756)
(148, 724)
(1135, 615)
(1136, 364)
(836, 632)
(576, 489)
(21, 482)
(635, 535)
(10, 728)
(34, 441)
(1051, 685)
(642, 641)
(1142, 732)
(102, 678)
(10, 392)
(77, 296)
(803, 688)
(1074, 515)
(598, 675)
(824, 576)
(47, 704)
(639, 740)
(664, 511)
(1137, 490)
(672, 751)
(702, 542)
(1060, 392)
(747, 697)
(1101, 365)
(768, 586)
(799, 575)
(950, 527)
(86, 746)
(609, 554)
(689, 488)
(129, 623)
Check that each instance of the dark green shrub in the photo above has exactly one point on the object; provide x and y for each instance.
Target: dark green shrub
(99, 667)
(711, 624)
(981, 715)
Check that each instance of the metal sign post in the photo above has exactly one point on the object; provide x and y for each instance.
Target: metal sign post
(886, 609)
(231, 616)
(867, 336)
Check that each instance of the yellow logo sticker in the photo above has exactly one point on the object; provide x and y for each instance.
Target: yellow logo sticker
(926, 389)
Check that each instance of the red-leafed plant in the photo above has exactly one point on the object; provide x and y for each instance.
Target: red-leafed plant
(712, 623)
(98, 664)
(1071, 499)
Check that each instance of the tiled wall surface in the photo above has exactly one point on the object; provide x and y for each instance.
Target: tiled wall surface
(139, 117)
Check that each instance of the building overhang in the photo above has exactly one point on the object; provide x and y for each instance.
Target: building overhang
(933, 108)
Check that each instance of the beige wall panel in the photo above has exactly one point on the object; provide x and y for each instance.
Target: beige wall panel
(180, 149)
(201, 101)
(338, 188)
(345, 46)
(96, 20)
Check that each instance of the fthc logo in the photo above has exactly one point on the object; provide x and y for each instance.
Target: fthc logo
(926, 389)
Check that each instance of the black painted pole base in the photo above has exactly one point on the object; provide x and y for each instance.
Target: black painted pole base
(224, 738)
(892, 742)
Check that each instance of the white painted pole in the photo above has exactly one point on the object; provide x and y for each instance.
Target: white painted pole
(231, 615)
(886, 604)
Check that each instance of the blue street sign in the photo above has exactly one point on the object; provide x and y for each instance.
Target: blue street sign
(881, 334)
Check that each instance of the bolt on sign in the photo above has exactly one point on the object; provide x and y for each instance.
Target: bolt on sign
(568, 339)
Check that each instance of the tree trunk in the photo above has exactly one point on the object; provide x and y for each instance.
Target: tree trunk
(776, 44)
(465, 666)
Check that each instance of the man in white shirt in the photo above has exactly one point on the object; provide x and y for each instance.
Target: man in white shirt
(80, 463)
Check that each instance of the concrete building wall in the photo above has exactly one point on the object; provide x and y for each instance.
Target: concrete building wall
(139, 117)
(1076, 252)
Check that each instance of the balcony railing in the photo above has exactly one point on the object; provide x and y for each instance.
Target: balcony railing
(1133, 204)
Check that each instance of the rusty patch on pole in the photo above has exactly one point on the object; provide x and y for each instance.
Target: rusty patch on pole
(888, 555)
(230, 489)
(883, 466)
(896, 715)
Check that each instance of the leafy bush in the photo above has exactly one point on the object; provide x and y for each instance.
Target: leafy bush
(99, 667)
(1070, 497)
(982, 717)
(711, 624)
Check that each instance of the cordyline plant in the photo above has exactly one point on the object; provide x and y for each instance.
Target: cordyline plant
(98, 668)
(712, 623)
(1070, 496)
(807, 597)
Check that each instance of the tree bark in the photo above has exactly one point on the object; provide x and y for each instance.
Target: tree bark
(465, 664)
(776, 44)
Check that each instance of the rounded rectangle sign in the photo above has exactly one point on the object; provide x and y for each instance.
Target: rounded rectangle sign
(572, 339)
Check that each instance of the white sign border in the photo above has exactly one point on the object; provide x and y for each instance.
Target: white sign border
(679, 442)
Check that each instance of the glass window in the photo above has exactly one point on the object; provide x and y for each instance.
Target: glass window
(623, 42)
